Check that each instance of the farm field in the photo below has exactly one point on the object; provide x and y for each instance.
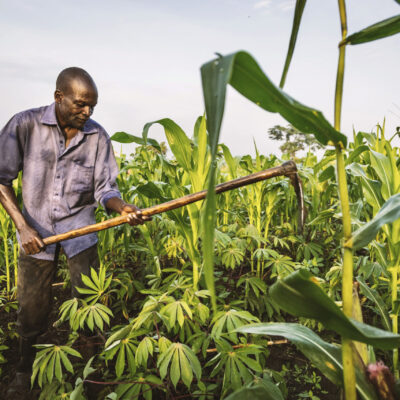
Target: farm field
(282, 289)
(144, 329)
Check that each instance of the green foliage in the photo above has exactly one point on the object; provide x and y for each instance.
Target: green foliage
(50, 362)
(298, 13)
(325, 356)
(300, 294)
(181, 362)
(380, 30)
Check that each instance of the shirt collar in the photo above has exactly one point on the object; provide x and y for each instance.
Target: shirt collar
(49, 118)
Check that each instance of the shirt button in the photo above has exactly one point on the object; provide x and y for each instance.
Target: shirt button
(56, 194)
(54, 209)
(58, 176)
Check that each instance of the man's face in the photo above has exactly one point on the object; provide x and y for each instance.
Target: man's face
(75, 105)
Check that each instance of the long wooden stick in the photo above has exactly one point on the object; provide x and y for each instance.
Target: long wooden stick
(288, 169)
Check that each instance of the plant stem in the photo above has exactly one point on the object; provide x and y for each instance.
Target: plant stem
(395, 320)
(349, 377)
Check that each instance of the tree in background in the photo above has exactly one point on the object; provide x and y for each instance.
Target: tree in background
(294, 140)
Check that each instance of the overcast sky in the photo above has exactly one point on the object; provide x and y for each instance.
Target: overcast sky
(145, 58)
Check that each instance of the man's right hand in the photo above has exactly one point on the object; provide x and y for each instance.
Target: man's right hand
(31, 241)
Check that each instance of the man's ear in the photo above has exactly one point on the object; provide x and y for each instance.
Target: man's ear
(58, 96)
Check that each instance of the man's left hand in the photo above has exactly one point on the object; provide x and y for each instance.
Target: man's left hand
(135, 214)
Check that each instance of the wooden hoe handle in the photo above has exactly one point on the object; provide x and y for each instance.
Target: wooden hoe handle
(288, 169)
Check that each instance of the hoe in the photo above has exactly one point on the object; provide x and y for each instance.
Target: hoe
(288, 169)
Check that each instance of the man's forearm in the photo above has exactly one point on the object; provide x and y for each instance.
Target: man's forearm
(10, 204)
(30, 240)
(116, 204)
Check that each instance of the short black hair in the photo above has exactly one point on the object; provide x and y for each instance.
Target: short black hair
(67, 75)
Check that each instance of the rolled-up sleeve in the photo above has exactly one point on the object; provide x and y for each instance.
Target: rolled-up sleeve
(105, 172)
(11, 151)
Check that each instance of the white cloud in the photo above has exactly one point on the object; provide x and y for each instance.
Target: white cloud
(286, 5)
(262, 4)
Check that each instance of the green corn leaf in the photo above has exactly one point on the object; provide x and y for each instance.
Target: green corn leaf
(123, 137)
(371, 188)
(298, 13)
(242, 72)
(380, 30)
(356, 153)
(389, 213)
(230, 161)
(325, 356)
(300, 294)
(374, 296)
(177, 140)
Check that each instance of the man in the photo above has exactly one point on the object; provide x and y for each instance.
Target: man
(68, 168)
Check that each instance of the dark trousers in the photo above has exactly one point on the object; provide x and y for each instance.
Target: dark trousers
(34, 293)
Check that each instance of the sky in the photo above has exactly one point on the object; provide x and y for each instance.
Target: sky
(145, 56)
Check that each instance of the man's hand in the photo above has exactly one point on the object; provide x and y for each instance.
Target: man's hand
(31, 241)
(135, 214)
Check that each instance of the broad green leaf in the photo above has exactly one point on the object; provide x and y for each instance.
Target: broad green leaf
(371, 188)
(300, 294)
(242, 72)
(356, 153)
(389, 213)
(298, 13)
(325, 356)
(230, 161)
(123, 137)
(152, 190)
(178, 141)
(374, 296)
(380, 30)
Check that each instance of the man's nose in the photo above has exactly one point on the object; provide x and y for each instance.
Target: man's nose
(88, 110)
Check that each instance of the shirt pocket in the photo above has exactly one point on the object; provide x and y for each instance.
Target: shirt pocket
(81, 191)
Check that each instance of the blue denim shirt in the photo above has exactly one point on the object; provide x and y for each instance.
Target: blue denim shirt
(61, 187)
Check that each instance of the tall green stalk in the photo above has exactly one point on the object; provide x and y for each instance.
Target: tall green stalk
(349, 376)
